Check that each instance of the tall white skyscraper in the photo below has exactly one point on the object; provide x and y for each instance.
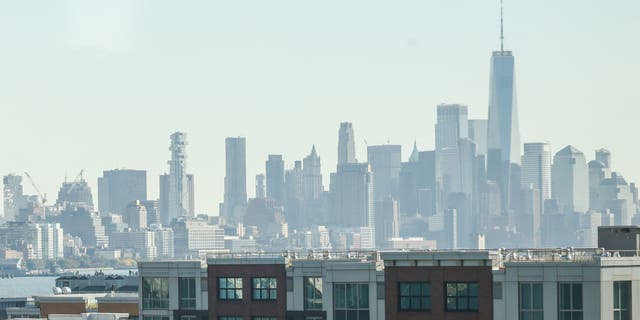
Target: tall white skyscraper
(178, 180)
(346, 144)
(570, 180)
(503, 134)
(536, 169)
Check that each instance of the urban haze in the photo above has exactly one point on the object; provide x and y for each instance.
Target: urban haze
(361, 160)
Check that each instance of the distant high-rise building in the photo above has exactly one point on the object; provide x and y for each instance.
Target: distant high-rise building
(260, 187)
(163, 201)
(452, 125)
(235, 181)
(604, 156)
(570, 180)
(418, 184)
(478, 134)
(385, 161)
(597, 173)
(503, 134)
(274, 169)
(312, 172)
(353, 196)
(136, 215)
(191, 192)
(178, 191)
(452, 128)
(75, 194)
(387, 220)
(14, 199)
(614, 195)
(118, 188)
(346, 144)
(294, 195)
(153, 212)
(536, 170)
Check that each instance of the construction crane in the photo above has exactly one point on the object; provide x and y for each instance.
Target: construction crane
(43, 197)
(75, 182)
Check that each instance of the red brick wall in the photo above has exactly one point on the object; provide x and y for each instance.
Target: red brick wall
(437, 276)
(247, 307)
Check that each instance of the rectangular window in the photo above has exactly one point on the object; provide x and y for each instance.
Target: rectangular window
(622, 300)
(230, 318)
(570, 301)
(187, 318)
(461, 296)
(351, 301)
(155, 293)
(264, 288)
(497, 291)
(414, 296)
(187, 293)
(204, 284)
(229, 288)
(264, 318)
(531, 301)
(312, 293)
(155, 318)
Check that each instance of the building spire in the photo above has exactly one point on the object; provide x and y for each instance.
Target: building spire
(501, 29)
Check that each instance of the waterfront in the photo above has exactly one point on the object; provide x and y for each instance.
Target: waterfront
(33, 286)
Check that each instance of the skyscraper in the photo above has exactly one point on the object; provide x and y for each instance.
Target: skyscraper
(478, 134)
(346, 144)
(274, 169)
(120, 187)
(260, 188)
(385, 161)
(353, 196)
(294, 195)
(312, 172)
(178, 189)
(503, 135)
(452, 125)
(14, 200)
(570, 180)
(604, 156)
(536, 170)
(235, 180)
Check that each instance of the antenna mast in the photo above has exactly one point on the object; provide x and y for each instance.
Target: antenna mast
(501, 29)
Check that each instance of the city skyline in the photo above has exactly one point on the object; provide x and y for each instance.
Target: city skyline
(148, 151)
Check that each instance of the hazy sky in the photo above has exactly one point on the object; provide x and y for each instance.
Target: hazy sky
(101, 85)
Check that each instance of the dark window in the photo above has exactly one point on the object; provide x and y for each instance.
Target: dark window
(497, 290)
(187, 293)
(230, 288)
(312, 293)
(351, 301)
(380, 290)
(531, 306)
(264, 318)
(264, 288)
(414, 296)
(155, 293)
(461, 296)
(570, 301)
(622, 300)
(230, 318)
